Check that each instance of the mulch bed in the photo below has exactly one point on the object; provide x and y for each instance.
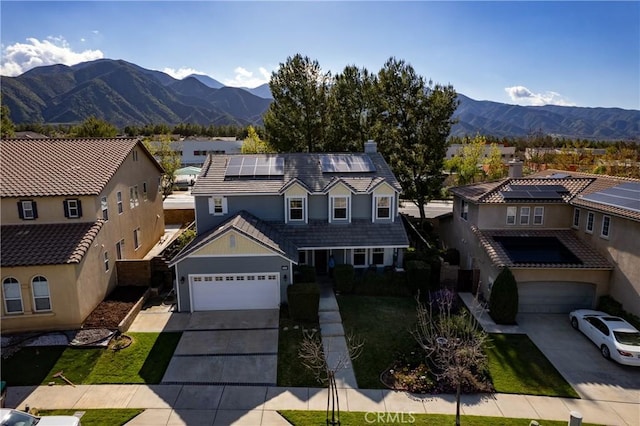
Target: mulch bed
(110, 312)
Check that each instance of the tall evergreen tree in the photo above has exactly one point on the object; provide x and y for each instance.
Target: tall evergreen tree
(296, 119)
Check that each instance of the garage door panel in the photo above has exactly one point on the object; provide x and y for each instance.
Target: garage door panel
(232, 291)
(554, 297)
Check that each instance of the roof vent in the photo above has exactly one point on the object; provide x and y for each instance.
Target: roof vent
(370, 146)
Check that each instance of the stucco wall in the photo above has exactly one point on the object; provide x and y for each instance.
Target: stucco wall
(50, 210)
(494, 216)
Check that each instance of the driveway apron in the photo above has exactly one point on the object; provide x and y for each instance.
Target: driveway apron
(227, 348)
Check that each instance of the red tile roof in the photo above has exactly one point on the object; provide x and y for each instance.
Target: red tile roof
(47, 244)
(63, 167)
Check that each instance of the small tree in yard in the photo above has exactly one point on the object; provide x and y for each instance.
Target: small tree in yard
(313, 357)
(503, 301)
(454, 344)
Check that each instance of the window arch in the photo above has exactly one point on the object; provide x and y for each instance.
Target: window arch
(12, 296)
(41, 296)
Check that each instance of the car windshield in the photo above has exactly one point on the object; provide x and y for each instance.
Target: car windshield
(18, 418)
(627, 338)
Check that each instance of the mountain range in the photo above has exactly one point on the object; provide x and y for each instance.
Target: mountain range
(126, 94)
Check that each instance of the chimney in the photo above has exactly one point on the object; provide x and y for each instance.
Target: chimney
(370, 146)
(515, 168)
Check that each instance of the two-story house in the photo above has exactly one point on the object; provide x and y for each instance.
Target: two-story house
(259, 215)
(70, 209)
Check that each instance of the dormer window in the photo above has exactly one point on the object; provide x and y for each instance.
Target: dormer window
(383, 207)
(339, 208)
(72, 208)
(296, 209)
(27, 210)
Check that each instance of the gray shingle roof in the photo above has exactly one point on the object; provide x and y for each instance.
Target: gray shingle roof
(47, 244)
(303, 166)
(50, 167)
(250, 226)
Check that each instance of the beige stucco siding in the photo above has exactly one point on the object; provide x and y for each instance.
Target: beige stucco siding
(384, 189)
(296, 190)
(494, 216)
(50, 210)
(232, 243)
(340, 189)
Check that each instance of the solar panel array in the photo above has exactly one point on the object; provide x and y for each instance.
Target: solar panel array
(337, 163)
(534, 192)
(249, 166)
(625, 196)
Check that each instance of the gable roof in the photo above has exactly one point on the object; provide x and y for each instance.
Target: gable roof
(303, 167)
(249, 226)
(54, 167)
(47, 244)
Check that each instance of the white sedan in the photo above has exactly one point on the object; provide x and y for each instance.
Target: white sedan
(616, 338)
(9, 417)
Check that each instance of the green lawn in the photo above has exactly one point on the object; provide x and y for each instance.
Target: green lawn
(143, 362)
(291, 372)
(384, 323)
(101, 417)
(318, 418)
(517, 366)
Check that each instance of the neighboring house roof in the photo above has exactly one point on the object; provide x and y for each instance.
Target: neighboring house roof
(251, 227)
(62, 167)
(305, 167)
(47, 244)
(29, 135)
(589, 257)
(358, 233)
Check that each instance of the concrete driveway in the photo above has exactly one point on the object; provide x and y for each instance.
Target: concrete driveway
(227, 347)
(579, 360)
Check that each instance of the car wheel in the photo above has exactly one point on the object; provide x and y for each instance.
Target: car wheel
(604, 350)
(574, 323)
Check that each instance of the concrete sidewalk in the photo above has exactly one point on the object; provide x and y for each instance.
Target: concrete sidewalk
(257, 405)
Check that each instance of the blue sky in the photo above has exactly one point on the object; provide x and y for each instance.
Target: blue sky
(527, 53)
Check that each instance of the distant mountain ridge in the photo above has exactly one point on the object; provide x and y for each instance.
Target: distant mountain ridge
(127, 94)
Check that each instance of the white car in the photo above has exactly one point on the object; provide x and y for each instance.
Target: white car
(616, 338)
(9, 417)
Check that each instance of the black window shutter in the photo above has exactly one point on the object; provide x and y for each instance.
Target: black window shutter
(35, 209)
(65, 204)
(79, 208)
(20, 211)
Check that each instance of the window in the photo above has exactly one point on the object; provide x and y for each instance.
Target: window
(144, 191)
(104, 206)
(135, 155)
(136, 238)
(302, 257)
(383, 207)
(27, 210)
(524, 215)
(106, 261)
(377, 256)
(464, 209)
(72, 208)
(41, 298)
(119, 200)
(12, 296)
(296, 209)
(232, 241)
(576, 218)
(120, 249)
(511, 215)
(589, 226)
(217, 206)
(606, 225)
(159, 184)
(133, 197)
(340, 208)
(538, 215)
(359, 257)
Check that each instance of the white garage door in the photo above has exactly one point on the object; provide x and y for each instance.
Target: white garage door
(555, 297)
(234, 291)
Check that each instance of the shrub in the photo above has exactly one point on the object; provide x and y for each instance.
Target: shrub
(611, 306)
(452, 256)
(503, 300)
(304, 300)
(305, 274)
(344, 276)
(418, 274)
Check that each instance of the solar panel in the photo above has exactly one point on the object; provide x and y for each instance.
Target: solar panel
(346, 163)
(246, 166)
(625, 196)
(516, 195)
(531, 195)
(557, 188)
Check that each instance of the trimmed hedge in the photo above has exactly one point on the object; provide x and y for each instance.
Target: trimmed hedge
(344, 277)
(305, 274)
(503, 300)
(304, 301)
(611, 306)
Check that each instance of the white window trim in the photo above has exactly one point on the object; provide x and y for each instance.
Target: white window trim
(223, 204)
(522, 215)
(121, 244)
(592, 216)
(4, 296)
(353, 255)
(576, 211)
(512, 212)
(136, 238)
(464, 210)
(33, 295)
(105, 261)
(75, 208)
(602, 234)
(332, 209)
(374, 213)
(119, 202)
(541, 216)
(372, 252)
(144, 191)
(32, 214)
(288, 210)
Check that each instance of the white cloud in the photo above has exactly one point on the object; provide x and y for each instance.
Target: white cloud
(20, 57)
(181, 73)
(523, 96)
(246, 78)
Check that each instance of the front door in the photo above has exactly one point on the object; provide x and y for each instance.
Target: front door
(320, 261)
